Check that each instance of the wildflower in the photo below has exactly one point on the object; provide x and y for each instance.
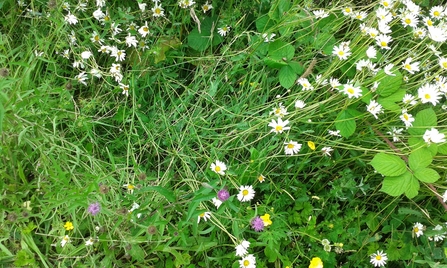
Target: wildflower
(95, 72)
(142, 6)
(352, 91)
(94, 208)
(311, 145)
(429, 93)
(206, 7)
(316, 263)
(437, 34)
(125, 89)
(299, 104)
(410, 20)
(326, 151)
(374, 108)
(443, 63)
(223, 30)
(335, 133)
(241, 249)
(70, 18)
(89, 242)
(100, 3)
(268, 37)
(409, 99)
(439, 236)
(144, 30)
(371, 52)
(134, 207)
(216, 202)
(278, 127)
(78, 64)
(86, 54)
(334, 83)
(347, 11)
(81, 78)
(292, 147)
(387, 3)
(27, 205)
(219, 167)
(325, 242)
(379, 259)
(360, 15)
(65, 240)
(305, 84)
(280, 111)
(261, 178)
(119, 55)
(342, 51)
(437, 12)
(407, 118)
(395, 132)
(372, 32)
(383, 14)
(157, 11)
(434, 136)
(410, 67)
(131, 41)
(98, 14)
(223, 195)
(383, 41)
(130, 188)
(266, 220)
(186, 3)
(257, 224)
(116, 68)
(115, 29)
(418, 229)
(388, 68)
(68, 226)
(205, 216)
(320, 14)
(419, 33)
(248, 261)
(246, 193)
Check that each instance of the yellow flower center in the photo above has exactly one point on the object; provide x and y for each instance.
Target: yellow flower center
(373, 35)
(347, 10)
(278, 111)
(146, 29)
(416, 229)
(246, 263)
(225, 29)
(383, 44)
(359, 16)
(119, 53)
(427, 96)
(341, 53)
(406, 117)
(157, 11)
(217, 168)
(205, 8)
(436, 13)
(130, 187)
(245, 192)
(202, 215)
(290, 146)
(278, 128)
(407, 21)
(96, 38)
(430, 23)
(408, 67)
(444, 64)
(106, 18)
(351, 91)
(385, 4)
(378, 257)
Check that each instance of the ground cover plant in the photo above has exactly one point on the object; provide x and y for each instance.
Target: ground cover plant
(267, 133)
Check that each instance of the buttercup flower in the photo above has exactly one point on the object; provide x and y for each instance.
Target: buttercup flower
(68, 226)
(316, 263)
(246, 193)
(266, 220)
(241, 249)
(379, 259)
(257, 224)
(205, 216)
(219, 167)
(418, 229)
(292, 147)
(311, 145)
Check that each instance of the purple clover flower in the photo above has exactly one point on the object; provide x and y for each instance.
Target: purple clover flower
(223, 195)
(94, 208)
(257, 224)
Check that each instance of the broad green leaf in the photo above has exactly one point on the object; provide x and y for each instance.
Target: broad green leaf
(264, 23)
(442, 149)
(297, 67)
(274, 63)
(427, 175)
(389, 165)
(396, 185)
(413, 188)
(389, 102)
(161, 190)
(198, 41)
(424, 119)
(345, 123)
(388, 84)
(420, 158)
(287, 77)
(280, 50)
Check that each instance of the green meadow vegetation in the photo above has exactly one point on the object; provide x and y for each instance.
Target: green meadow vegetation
(262, 133)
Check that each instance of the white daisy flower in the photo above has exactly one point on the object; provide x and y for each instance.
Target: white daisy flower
(219, 167)
(292, 147)
(246, 193)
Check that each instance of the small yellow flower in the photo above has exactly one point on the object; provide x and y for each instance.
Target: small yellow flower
(311, 145)
(316, 263)
(266, 219)
(68, 226)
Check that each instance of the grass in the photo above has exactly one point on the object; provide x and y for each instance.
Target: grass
(196, 97)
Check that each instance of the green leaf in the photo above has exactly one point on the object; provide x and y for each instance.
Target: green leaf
(345, 123)
(280, 50)
(424, 119)
(396, 185)
(413, 188)
(427, 175)
(389, 165)
(274, 63)
(163, 191)
(389, 103)
(420, 158)
(264, 23)
(388, 84)
(442, 149)
(200, 41)
(287, 76)
(297, 67)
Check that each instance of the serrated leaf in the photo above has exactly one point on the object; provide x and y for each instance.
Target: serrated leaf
(413, 188)
(287, 76)
(424, 119)
(388, 84)
(420, 158)
(297, 67)
(427, 175)
(281, 50)
(389, 165)
(396, 185)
